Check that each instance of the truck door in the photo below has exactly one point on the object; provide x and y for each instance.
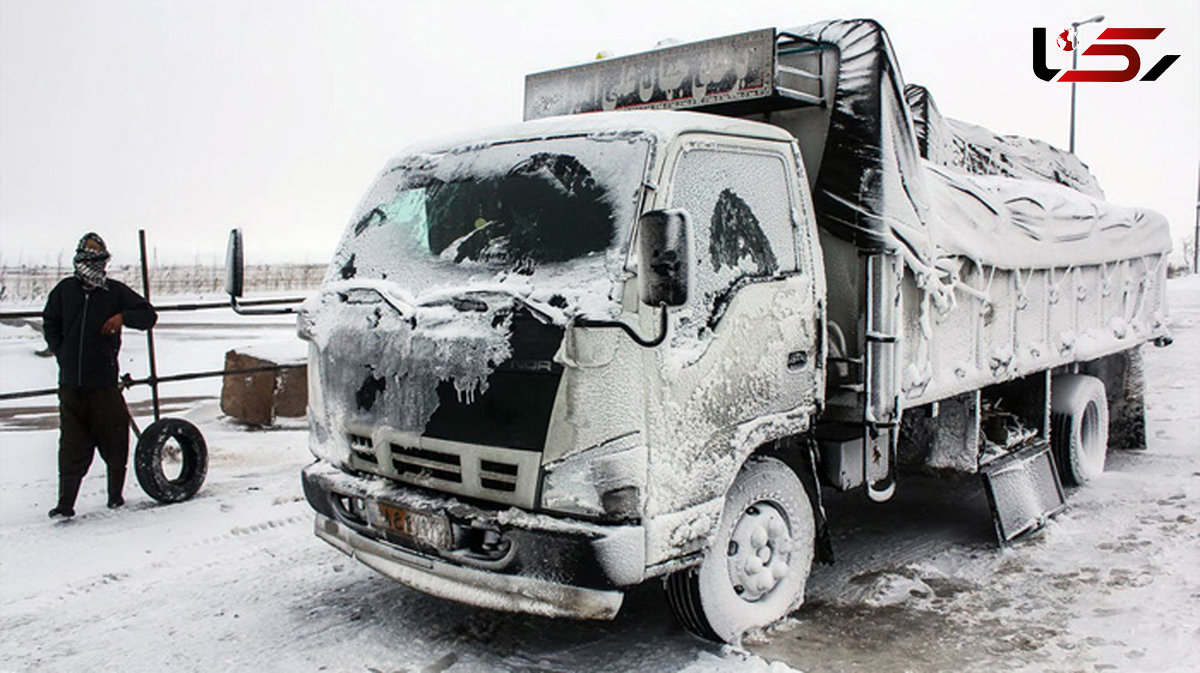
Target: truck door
(752, 313)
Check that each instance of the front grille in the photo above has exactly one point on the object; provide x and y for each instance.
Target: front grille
(426, 463)
(498, 476)
(363, 448)
(499, 468)
(502, 475)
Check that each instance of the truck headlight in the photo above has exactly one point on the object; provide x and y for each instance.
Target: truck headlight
(605, 482)
(318, 418)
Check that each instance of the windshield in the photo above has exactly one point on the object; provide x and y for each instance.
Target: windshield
(547, 217)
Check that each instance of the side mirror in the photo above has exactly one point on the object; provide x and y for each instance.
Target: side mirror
(664, 262)
(233, 264)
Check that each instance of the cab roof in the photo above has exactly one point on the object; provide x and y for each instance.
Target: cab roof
(662, 124)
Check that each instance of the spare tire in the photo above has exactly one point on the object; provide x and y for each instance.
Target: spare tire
(159, 440)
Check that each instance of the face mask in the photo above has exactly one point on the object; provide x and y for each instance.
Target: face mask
(90, 262)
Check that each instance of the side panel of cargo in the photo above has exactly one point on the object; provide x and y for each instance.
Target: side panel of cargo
(998, 324)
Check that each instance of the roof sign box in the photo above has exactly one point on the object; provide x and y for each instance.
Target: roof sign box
(720, 70)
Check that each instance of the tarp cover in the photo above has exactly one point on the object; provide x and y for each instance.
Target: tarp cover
(1004, 201)
(974, 149)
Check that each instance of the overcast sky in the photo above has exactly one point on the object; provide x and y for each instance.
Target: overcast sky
(189, 118)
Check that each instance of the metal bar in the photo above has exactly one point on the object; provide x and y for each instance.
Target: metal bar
(800, 96)
(647, 343)
(867, 353)
(20, 314)
(210, 374)
(6, 315)
(127, 382)
(804, 74)
(798, 72)
(1074, 66)
(799, 50)
(149, 330)
(239, 308)
(868, 368)
(28, 393)
(225, 304)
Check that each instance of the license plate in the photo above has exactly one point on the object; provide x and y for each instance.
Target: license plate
(429, 529)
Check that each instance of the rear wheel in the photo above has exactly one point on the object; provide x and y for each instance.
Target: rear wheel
(756, 569)
(1079, 432)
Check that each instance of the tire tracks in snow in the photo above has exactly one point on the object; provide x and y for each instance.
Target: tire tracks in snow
(202, 583)
(181, 558)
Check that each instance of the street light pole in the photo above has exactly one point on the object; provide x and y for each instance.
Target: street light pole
(1075, 66)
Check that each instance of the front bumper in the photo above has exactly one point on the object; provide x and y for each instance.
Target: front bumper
(531, 562)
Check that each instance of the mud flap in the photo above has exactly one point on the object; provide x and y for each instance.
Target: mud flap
(823, 548)
(1023, 490)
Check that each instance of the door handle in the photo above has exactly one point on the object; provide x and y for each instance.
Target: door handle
(797, 360)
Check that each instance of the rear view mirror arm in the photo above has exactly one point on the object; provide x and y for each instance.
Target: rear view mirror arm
(646, 343)
(242, 308)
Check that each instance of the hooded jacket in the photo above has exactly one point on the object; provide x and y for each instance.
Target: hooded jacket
(72, 319)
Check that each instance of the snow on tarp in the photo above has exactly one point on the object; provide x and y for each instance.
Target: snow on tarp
(974, 149)
(1011, 223)
(874, 189)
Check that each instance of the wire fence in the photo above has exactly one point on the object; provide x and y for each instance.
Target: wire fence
(31, 284)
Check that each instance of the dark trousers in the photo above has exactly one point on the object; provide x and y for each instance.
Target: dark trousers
(91, 420)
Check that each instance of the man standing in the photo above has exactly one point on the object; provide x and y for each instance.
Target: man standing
(82, 322)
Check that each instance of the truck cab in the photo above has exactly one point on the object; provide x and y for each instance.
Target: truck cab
(500, 418)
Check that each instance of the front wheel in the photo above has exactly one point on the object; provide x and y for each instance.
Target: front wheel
(755, 571)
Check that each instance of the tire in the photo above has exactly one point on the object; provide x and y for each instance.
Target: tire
(152, 448)
(755, 571)
(1079, 427)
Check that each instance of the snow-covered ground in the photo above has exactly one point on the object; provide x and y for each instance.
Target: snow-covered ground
(235, 580)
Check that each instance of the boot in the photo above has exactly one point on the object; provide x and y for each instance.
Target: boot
(68, 490)
(116, 484)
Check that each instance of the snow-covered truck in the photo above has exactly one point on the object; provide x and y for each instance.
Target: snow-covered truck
(556, 360)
